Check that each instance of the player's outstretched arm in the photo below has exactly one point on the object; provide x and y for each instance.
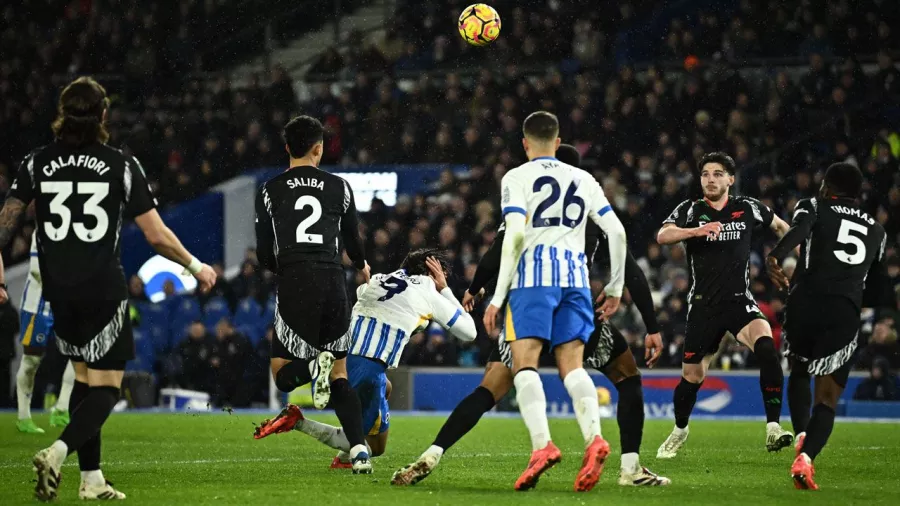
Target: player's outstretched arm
(167, 244)
(10, 218)
(446, 310)
(350, 233)
(779, 226)
(673, 234)
(801, 227)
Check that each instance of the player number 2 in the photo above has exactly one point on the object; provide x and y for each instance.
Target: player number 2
(312, 219)
(570, 199)
(844, 237)
(61, 190)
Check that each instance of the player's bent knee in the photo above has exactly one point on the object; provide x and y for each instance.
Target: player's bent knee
(622, 368)
(378, 443)
(498, 380)
(387, 390)
(693, 373)
(104, 378)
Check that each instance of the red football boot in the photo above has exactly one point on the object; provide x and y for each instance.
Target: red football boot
(337, 463)
(802, 472)
(541, 460)
(799, 445)
(592, 466)
(284, 422)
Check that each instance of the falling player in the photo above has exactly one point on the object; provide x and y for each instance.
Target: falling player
(543, 269)
(390, 308)
(607, 351)
(842, 252)
(717, 232)
(37, 334)
(303, 217)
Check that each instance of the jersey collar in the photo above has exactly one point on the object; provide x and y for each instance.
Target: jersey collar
(544, 158)
(710, 204)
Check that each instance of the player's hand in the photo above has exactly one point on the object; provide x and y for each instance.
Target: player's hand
(206, 278)
(710, 230)
(653, 349)
(437, 273)
(366, 273)
(776, 273)
(4, 296)
(469, 300)
(608, 306)
(490, 318)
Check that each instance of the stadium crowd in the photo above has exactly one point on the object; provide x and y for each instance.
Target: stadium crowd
(640, 133)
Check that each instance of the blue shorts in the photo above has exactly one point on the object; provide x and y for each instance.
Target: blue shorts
(369, 380)
(37, 329)
(557, 315)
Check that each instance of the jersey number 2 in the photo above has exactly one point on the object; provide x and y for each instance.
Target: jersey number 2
(61, 190)
(570, 199)
(844, 237)
(310, 220)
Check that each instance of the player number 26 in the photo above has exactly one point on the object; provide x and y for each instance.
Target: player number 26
(61, 191)
(570, 199)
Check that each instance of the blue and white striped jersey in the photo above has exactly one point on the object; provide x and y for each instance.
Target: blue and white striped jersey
(392, 307)
(556, 200)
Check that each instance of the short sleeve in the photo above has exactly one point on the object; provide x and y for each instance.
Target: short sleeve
(762, 214)
(679, 216)
(513, 195)
(599, 201)
(137, 191)
(804, 211)
(22, 187)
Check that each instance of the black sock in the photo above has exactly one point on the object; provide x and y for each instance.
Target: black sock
(79, 392)
(630, 414)
(89, 416)
(292, 375)
(799, 395)
(464, 417)
(771, 377)
(684, 398)
(348, 410)
(89, 453)
(819, 430)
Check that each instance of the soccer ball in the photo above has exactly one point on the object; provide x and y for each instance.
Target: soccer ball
(603, 397)
(479, 24)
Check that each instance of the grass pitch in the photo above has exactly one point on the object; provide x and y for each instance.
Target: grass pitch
(213, 459)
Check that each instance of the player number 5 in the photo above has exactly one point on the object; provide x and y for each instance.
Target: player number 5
(844, 237)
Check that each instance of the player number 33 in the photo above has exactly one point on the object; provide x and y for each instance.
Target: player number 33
(61, 191)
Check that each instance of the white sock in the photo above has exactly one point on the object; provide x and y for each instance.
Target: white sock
(25, 384)
(328, 435)
(773, 425)
(94, 478)
(584, 399)
(533, 406)
(65, 390)
(630, 463)
(434, 451)
(58, 452)
(679, 430)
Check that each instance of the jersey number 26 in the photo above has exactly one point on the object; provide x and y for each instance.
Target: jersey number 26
(570, 199)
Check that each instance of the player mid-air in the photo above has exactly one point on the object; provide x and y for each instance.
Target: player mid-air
(717, 231)
(607, 351)
(83, 190)
(36, 334)
(389, 309)
(841, 254)
(303, 217)
(543, 269)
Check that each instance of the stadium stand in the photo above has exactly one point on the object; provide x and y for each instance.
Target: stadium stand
(640, 129)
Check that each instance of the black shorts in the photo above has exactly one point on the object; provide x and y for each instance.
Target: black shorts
(312, 314)
(821, 331)
(605, 345)
(707, 326)
(95, 332)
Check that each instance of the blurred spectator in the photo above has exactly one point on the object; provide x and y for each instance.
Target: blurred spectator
(229, 356)
(881, 385)
(883, 344)
(195, 352)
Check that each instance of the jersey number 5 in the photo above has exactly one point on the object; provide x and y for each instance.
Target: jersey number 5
(570, 199)
(61, 190)
(844, 237)
(312, 219)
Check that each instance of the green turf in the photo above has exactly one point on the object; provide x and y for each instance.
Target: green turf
(197, 459)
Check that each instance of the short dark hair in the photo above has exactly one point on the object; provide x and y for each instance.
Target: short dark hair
(844, 180)
(414, 263)
(541, 125)
(568, 154)
(79, 113)
(723, 159)
(301, 134)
